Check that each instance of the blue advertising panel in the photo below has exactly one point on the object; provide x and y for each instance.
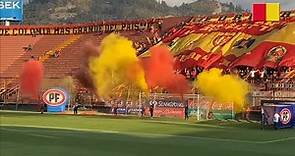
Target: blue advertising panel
(11, 10)
(60, 108)
(124, 110)
(56, 100)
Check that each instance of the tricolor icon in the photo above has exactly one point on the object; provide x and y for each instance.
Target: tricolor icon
(266, 12)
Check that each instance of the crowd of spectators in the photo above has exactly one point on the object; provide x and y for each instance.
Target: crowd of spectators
(265, 78)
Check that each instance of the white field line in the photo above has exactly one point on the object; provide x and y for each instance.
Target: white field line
(149, 134)
(278, 140)
(44, 136)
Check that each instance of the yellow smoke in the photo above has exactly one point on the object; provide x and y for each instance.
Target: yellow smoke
(117, 64)
(223, 88)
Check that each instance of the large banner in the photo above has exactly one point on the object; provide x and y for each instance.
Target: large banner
(223, 44)
(169, 112)
(77, 28)
(11, 10)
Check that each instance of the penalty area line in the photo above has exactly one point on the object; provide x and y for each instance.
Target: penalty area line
(278, 140)
(144, 134)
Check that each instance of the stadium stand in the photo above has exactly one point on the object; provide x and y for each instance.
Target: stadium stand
(60, 52)
(12, 49)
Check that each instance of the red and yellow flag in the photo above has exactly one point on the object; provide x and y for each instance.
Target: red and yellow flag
(266, 12)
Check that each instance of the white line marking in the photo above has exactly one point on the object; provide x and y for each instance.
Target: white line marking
(279, 140)
(184, 123)
(43, 136)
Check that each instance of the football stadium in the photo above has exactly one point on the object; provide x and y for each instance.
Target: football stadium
(198, 81)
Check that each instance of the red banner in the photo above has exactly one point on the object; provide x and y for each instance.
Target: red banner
(169, 112)
(197, 57)
(269, 54)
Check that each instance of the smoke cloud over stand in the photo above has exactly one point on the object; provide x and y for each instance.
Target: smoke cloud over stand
(223, 88)
(117, 64)
(83, 74)
(160, 72)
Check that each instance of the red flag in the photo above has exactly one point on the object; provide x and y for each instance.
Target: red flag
(266, 12)
(259, 12)
(289, 59)
(269, 54)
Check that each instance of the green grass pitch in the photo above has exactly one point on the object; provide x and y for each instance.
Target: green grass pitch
(31, 134)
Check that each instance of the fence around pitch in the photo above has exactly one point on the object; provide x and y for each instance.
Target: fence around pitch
(199, 105)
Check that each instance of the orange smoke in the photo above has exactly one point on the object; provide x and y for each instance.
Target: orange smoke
(160, 72)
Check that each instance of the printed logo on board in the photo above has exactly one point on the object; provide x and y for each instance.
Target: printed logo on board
(54, 97)
(286, 116)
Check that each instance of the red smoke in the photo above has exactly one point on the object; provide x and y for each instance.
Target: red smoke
(31, 78)
(160, 71)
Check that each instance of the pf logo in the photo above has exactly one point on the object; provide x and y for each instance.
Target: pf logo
(54, 97)
(285, 116)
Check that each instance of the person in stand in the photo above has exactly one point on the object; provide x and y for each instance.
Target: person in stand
(186, 112)
(252, 76)
(262, 75)
(276, 120)
(28, 48)
(152, 110)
